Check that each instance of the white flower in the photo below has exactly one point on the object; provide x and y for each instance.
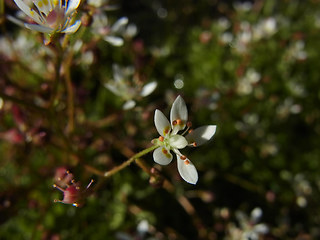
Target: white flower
(248, 227)
(122, 86)
(114, 34)
(170, 140)
(51, 15)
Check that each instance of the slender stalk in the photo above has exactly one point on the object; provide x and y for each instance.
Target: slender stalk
(70, 92)
(56, 81)
(129, 161)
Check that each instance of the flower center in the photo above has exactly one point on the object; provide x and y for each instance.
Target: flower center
(55, 18)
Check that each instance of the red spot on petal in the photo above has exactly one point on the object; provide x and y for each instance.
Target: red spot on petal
(183, 157)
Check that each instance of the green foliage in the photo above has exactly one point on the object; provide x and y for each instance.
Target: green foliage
(249, 69)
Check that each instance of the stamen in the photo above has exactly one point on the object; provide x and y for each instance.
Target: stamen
(174, 122)
(75, 204)
(90, 183)
(182, 157)
(179, 121)
(189, 124)
(194, 144)
(57, 187)
(186, 162)
(190, 131)
(161, 139)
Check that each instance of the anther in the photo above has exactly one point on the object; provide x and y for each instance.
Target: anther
(182, 157)
(161, 139)
(179, 121)
(189, 124)
(194, 144)
(190, 131)
(186, 162)
(174, 122)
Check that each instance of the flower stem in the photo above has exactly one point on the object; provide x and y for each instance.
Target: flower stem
(129, 161)
(70, 92)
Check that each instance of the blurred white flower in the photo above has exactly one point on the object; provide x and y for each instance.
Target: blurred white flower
(302, 188)
(125, 86)
(226, 37)
(243, 37)
(248, 228)
(223, 23)
(265, 28)
(27, 50)
(170, 140)
(297, 51)
(242, 6)
(50, 15)
(245, 84)
(114, 34)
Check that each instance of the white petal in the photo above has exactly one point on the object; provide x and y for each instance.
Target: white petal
(177, 141)
(73, 28)
(179, 111)
(43, 6)
(15, 20)
(72, 5)
(261, 228)
(256, 214)
(28, 11)
(119, 24)
(118, 73)
(201, 135)
(161, 122)
(129, 105)
(113, 88)
(38, 28)
(115, 41)
(187, 170)
(148, 89)
(131, 30)
(162, 156)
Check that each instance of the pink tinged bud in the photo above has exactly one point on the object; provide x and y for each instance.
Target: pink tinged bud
(63, 177)
(71, 194)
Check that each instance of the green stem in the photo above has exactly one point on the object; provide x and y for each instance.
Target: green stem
(57, 79)
(129, 161)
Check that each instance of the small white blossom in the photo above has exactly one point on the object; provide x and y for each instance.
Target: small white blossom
(265, 28)
(114, 34)
(249, 228)
(170, 140)
(122, 86)
(51, 15)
